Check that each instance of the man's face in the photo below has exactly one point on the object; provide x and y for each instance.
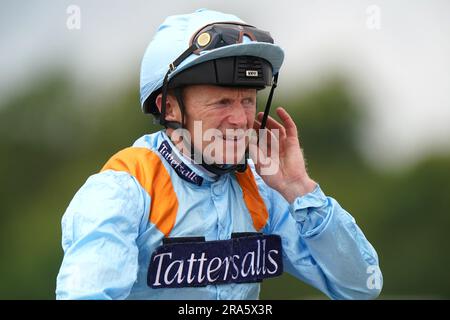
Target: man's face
(223, 114)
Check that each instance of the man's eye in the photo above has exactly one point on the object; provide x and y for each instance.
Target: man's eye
(222, 103)
(248, 101)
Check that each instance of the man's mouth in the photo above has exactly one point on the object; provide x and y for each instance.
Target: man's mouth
(232, 138)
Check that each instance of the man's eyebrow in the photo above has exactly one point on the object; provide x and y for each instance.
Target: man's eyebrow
(224, 97)
(217, 99)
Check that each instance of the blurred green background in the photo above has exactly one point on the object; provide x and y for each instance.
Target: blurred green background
(372, 106)
(51, 143)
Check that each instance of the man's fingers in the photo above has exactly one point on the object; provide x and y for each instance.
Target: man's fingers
(269, 141)
(256, 125)
(272, 123)
(289, 124)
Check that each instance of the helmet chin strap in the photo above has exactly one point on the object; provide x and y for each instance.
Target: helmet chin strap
(223, 169)
(269, 102)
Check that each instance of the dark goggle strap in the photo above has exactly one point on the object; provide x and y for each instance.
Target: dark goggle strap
(172, 67)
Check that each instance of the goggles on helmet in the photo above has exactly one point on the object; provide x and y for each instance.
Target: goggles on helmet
(218, 35)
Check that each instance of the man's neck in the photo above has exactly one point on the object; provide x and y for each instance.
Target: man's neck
(185, 152)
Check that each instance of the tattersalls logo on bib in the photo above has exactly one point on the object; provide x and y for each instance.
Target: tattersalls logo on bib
(180, 168)
(194, 264)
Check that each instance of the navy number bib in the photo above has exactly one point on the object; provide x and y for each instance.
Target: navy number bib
(193, 264)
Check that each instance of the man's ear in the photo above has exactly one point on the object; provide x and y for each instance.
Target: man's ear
(173, 112)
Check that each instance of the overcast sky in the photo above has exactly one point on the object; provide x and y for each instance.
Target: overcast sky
(400, 63)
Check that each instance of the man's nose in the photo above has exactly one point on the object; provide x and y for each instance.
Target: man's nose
(238, 116)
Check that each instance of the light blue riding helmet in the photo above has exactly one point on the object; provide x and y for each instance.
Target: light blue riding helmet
(174, 37)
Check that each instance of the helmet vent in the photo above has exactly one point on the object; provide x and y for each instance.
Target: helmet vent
(249, 69)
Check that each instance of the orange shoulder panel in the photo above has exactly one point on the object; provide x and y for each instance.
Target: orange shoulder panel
(148, 169)
(253, 200)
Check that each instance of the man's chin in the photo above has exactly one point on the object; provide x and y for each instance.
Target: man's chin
(230, 153)
(231, 160)
(234, 154)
